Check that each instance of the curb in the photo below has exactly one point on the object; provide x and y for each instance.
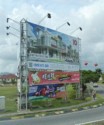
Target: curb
(48, 113)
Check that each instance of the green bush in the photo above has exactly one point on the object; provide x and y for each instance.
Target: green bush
(71, 92)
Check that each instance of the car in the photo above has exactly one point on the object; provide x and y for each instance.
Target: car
(95, 85)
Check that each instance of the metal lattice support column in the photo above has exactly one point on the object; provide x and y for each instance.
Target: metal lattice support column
(79, 85)
(23, 69)
(78, 91)
(80, 70)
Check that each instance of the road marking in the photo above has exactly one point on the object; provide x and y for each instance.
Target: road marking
(57, 113)
(37, 115)
(73, 110)
(94, 106)
(85, 108)
(84, 123)
(61, 112)
(17, 117)
(100, 104)
(43, 115)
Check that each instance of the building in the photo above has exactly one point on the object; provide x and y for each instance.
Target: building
(47, 46)
(8, 78)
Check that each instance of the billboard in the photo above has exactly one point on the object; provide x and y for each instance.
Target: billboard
(48, 77)
(53, 66)
(49, 48)
(37, 92)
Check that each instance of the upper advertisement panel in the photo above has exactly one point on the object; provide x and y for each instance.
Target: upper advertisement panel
(44, 77)
(49, 46)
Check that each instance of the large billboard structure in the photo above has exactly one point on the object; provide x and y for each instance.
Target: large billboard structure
(46, 51)
(50, 49)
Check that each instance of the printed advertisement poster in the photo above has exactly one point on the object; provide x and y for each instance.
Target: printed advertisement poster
(52, 66)
(47, 45)
(46, 77)
(46, 91)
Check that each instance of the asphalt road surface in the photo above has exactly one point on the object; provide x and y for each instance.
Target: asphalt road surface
(100, 89)
(63, 119)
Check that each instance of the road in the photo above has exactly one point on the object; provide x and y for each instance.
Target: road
(100, 89)
(63, 119)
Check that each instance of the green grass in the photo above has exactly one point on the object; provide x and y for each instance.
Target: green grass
(10, 95)
(99, 100)
(57, 103)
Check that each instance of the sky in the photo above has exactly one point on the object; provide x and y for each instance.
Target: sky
(88, 14)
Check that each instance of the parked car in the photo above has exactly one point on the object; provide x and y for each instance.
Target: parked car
(95, 85)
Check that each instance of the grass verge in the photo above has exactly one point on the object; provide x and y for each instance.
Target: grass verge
(10, 95)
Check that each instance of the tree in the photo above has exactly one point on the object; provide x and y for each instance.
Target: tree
(13, 81)
(84, 87)
(90, 76)
(103, 78)
(99, 71)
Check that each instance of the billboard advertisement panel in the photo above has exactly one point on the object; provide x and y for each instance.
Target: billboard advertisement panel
(47, 46)
(37, 92)
(47, 77)
(53, 66)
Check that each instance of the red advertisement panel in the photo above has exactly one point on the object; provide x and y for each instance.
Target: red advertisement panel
(46, 77)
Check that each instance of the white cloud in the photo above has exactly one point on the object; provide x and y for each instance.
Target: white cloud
(87, 14)
(92, 37)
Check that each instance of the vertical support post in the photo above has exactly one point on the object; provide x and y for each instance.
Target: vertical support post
(65, 92)
(23, 65)
(20, 94)
(79, 85)
(76, 91)
(26, 68)
(80, 69)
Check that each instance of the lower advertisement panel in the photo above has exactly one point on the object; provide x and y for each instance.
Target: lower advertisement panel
(38, 92)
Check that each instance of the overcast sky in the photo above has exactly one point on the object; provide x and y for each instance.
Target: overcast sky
(88, 14)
